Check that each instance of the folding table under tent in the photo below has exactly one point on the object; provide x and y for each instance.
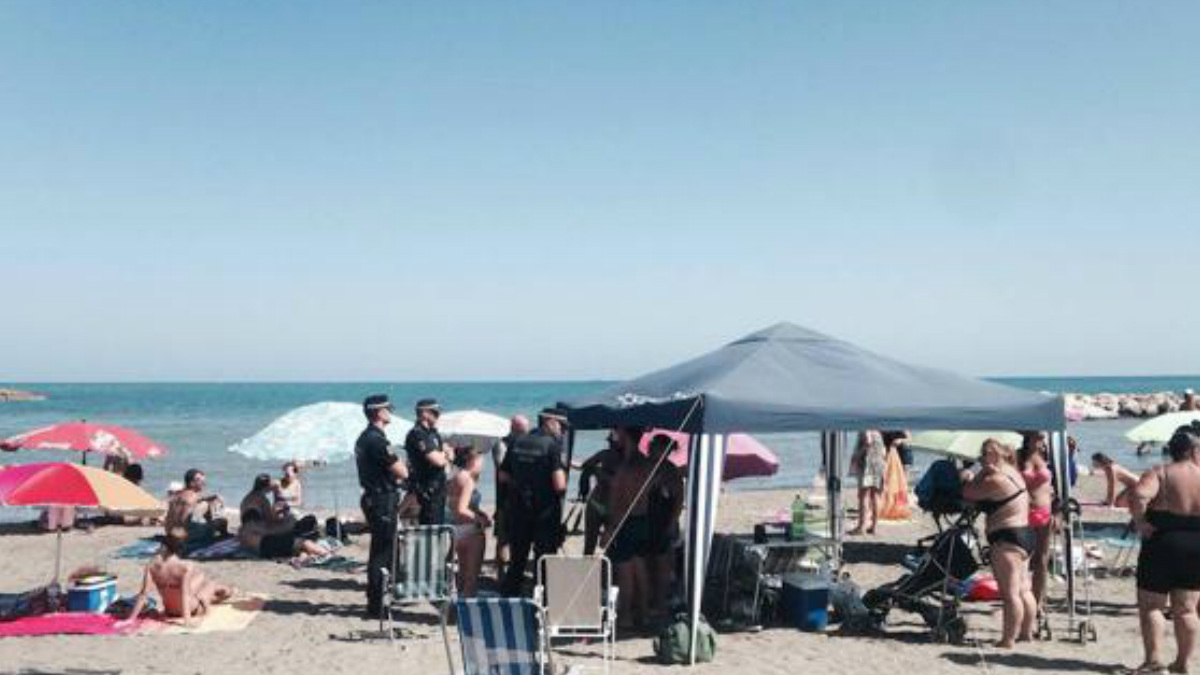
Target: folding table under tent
(790, 379)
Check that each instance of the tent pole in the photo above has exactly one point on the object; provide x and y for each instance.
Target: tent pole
(696, 459)
(831, 446)
(704, 492)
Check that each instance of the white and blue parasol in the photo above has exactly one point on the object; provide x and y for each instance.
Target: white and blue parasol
(320, 432)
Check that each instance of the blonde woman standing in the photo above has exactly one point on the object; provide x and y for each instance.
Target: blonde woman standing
(998, 491)
(868, 465)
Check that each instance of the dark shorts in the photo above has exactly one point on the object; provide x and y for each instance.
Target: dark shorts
(659, 543)
(1170, 561)
(433, 507)
(307, 527)
(277, 546)
(500, 525)
(631, 541)
(1022, 537)
(199, 534)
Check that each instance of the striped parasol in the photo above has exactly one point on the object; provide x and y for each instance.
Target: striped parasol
(84, 436)
(62, 484)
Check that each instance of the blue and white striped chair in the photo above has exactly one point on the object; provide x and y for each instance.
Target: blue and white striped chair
(502, 636)
(423, 570)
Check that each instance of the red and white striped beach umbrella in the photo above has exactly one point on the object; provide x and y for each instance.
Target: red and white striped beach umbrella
(83, 436)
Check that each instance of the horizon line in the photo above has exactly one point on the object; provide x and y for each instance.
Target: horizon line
(19, 383)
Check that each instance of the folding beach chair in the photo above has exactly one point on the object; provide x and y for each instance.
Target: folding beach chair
(1127, 546)
(502, 636)
(423, 570)
(578, 599)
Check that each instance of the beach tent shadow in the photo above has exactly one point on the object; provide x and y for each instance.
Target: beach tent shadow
(1030, 662)
(1100, 608)
(302, 607)
(68, 671)
(909, 636)
(327, 584)
(875, 552)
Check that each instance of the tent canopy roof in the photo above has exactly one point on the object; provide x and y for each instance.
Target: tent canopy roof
(788, 378)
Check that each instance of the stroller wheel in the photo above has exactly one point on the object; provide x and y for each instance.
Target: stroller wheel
(953, 631)
(1087, 632)
(1044, 632)
(956, 630)
(874, 599)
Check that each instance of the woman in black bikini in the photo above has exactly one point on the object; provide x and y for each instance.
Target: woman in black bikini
(999, 492)
(1166, 511)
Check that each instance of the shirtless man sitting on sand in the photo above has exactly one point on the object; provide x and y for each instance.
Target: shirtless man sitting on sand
(195, 512)
(186, 593)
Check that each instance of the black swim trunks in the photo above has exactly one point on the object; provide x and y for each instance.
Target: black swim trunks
(631, 540)
(1022, 537)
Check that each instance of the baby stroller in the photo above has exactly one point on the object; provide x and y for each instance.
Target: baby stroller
(931, 588)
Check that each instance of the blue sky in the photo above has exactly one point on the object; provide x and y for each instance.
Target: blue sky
(379, 190)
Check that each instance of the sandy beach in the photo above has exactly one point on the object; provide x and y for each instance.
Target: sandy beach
(312, 623)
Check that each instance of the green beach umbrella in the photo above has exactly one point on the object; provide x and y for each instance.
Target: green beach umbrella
(1160, 429)
(959, 444)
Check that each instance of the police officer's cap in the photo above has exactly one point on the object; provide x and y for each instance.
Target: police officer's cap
(553, 414)
(377, 402)
(429, 404)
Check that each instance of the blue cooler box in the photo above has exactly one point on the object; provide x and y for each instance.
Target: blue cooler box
(806, 601)
(92, 594)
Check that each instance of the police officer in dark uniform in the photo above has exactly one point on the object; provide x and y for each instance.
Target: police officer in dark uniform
(533, 476)
(380, 472)
(428, 458)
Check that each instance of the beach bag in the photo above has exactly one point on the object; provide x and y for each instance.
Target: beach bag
(940, 489)
(32, 603)
(671, 647)
(895, 490)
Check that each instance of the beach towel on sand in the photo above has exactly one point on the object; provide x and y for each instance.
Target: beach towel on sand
(141, 549)
(235, 615)
(226, 549)
(895, 490)
(70, 623)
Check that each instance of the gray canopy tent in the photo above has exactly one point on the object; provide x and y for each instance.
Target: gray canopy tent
(791, 379)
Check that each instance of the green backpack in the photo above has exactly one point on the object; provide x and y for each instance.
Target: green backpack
(671, 647)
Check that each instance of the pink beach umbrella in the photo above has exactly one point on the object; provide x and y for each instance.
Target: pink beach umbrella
(83, 436)
(744, 455)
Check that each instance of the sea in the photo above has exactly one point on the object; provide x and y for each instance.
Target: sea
(198, 422)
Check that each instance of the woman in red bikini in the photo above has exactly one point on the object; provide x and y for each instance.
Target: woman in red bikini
(1033, 462)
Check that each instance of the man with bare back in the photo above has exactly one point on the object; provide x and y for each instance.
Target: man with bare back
(196, 513)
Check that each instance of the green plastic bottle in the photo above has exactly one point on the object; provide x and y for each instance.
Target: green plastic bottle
(799, 518)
